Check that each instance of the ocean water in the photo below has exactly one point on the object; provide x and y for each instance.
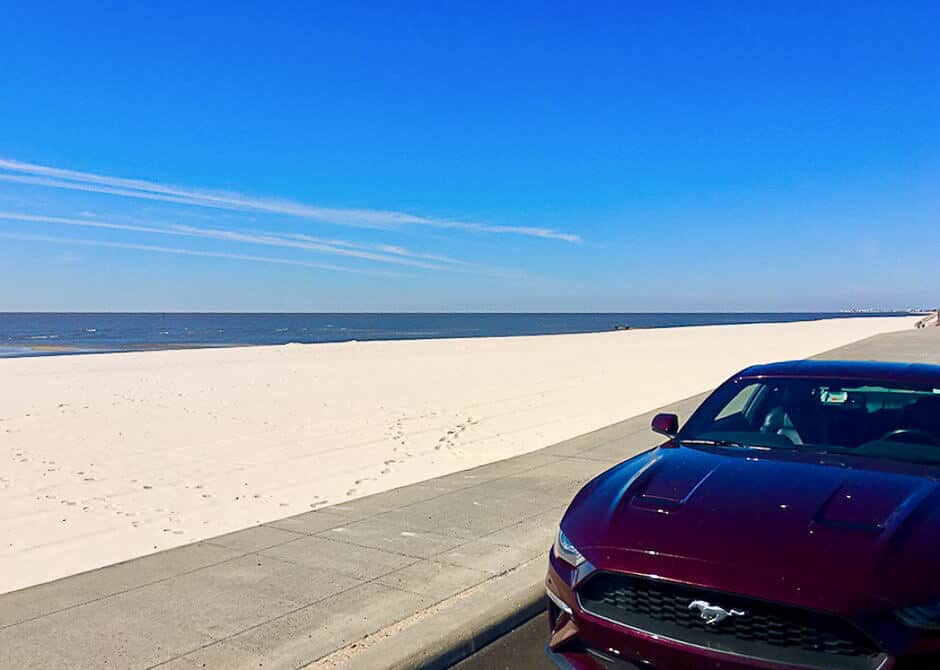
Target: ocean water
(43, 334)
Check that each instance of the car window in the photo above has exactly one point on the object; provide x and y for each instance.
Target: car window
(868, 419)
(739, 402)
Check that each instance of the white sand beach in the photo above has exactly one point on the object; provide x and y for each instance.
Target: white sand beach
(108, 457)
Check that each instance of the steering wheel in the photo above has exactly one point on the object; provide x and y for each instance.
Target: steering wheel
(925, 437)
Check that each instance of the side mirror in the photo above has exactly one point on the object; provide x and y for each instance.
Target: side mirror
(665, 424)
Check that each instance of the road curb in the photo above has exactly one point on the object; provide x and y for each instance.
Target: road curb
(457, 628)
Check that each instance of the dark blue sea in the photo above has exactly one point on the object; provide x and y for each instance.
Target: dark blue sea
(43, 334)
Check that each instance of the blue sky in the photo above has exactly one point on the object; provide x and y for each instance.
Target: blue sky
(570, 157)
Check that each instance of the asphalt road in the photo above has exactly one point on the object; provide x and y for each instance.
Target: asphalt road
(523, 647)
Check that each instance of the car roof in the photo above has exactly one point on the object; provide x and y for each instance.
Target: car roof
(913, 373)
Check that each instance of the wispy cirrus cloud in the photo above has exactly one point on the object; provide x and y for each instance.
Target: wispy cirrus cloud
(185, 252)
(377, 253)
(384, 248)
(42, 175)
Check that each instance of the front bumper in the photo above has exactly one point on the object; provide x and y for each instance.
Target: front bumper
(585, 661)
(580, 640)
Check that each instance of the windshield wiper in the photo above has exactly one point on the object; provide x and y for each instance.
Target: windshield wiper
(736, 445)
(716, 443)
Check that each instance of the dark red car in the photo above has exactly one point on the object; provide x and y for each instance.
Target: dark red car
(793, 522)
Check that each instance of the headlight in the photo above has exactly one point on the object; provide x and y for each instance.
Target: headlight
(923, 616)
(567, 551)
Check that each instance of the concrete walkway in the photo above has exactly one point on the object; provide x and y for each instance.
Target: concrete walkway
(322, 584)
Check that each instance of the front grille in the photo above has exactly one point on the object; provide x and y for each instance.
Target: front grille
(767, 630)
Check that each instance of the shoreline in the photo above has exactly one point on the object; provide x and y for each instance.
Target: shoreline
(21, 349)
(113, 457)
(44, 350)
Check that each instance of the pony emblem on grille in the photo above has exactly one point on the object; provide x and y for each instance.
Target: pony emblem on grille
(713, 614)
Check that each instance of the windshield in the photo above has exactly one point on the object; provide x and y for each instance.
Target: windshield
(877, 420)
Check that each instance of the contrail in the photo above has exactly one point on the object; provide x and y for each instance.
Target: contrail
(185, 252)
(267, 239)
(42, 175)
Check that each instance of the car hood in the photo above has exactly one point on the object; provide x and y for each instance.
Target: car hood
(823, 531)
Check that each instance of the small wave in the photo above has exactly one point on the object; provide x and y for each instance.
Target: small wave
(164, 332)
(44, 337)
(91, 330)
(281, 330)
